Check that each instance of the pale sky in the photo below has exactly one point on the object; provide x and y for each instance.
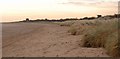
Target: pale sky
(15, 10)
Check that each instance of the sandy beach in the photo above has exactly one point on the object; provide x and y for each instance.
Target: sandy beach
(44, 40)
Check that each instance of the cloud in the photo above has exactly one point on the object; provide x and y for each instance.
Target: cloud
(94, 3)
(76, 3)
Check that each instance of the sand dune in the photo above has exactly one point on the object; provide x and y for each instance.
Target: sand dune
(44, 40)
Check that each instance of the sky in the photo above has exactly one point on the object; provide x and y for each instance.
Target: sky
(17, 10)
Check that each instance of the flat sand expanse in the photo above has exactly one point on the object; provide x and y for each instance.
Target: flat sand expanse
(44, 40)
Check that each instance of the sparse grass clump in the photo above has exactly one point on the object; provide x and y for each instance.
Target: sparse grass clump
(76, 30)
(66, 23)
(104, 34)
(79, 27)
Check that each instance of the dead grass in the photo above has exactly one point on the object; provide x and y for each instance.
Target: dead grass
(79, 27)
(66, 23)
(104, 34)
(98, 33)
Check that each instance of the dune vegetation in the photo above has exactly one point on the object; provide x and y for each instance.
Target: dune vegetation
(98, 34)
(104, 34)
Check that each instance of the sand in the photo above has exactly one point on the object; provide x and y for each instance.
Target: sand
(44, 40)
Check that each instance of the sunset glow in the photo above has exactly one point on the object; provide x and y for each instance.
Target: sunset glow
(15, 10)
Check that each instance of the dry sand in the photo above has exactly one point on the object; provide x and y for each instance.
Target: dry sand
(44, 40)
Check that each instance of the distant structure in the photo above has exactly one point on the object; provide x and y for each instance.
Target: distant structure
(27, 19)
(98, 16)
